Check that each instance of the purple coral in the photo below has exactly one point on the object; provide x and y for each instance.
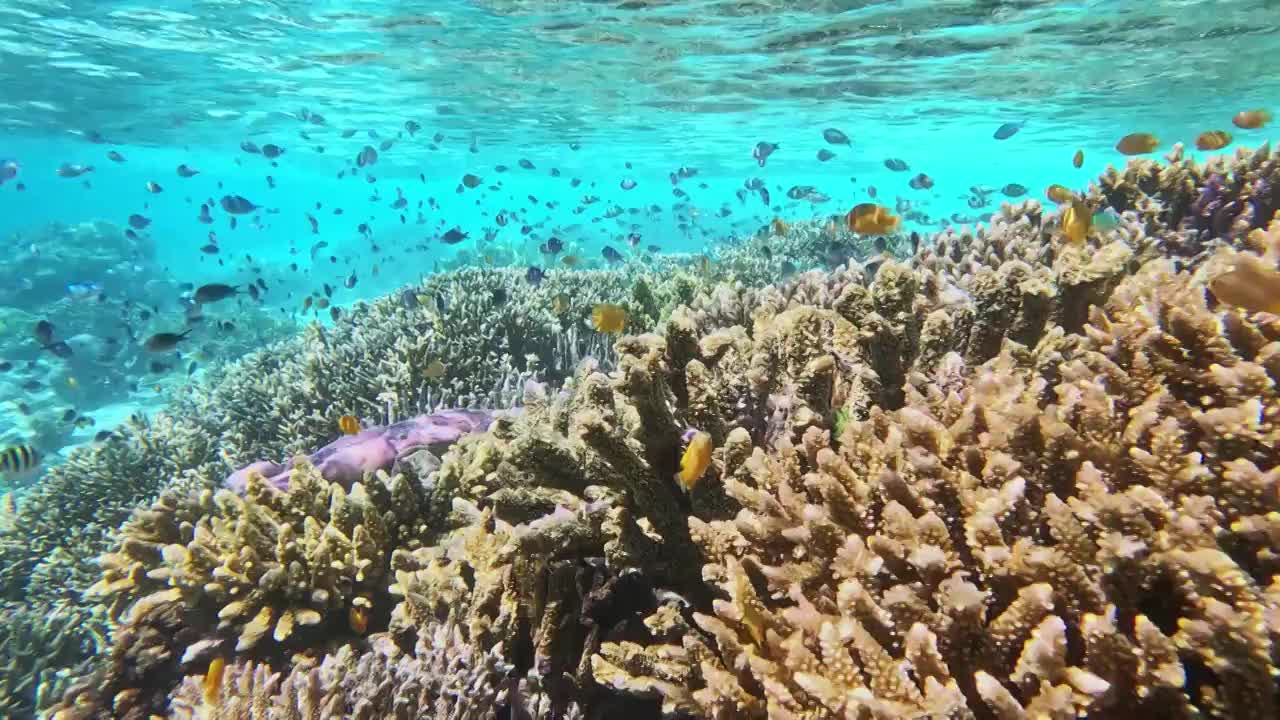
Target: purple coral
(348, 458)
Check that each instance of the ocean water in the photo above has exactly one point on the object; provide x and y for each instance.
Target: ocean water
(134, 133)
(589, 95)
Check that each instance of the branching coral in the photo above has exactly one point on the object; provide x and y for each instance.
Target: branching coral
(978, 552)
(269, 564)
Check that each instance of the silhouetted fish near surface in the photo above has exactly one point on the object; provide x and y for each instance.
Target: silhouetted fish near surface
(762, 151)
(1006, 131)
(835, 137)
(454, 236)
(825, 155)
(237, 205)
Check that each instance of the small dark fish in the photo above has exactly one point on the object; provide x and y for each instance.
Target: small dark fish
(214, 292)
(1006, 131)
(471, 181)
(896, 164)
(73, 170)
(350, 282)
(209, 249)
(5, 366)
(69, 415)
(552, 246)
(454, 236)
(438, 137)
(191, 369)
(798, 192)
(367, 156)
(627, 184)
(871, 191)
(526, 164)
(255, 293)
(825, 155)
(534, 275)
(32, 385)
(1013, 190)
(575, 146)
(102, 436)
(60, 349)
(762, 151)
(441, 303)
(835, 137)
(272, 151)
(335, 313)
(237, 205)
(250, 147)
(138, 222)
(114, 156)
(921, 182)
(154, 187)
(163, 342)
(187, 171)
(611, 255)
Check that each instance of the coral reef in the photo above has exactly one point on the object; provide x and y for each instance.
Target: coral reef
(980, 551)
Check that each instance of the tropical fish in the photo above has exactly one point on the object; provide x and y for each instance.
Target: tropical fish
(154, 187)
(435, 370)
(695, 461)
(762, 151)
(349, 425)
(1076, 220)
(1105, 219)
(1137, 143)
(896, 164)
(921, 182)
(1059, 194)
(74, 170)
(1251, 119)
(237, 205)
(1077, 160)
(367, 156)
(1250, 284)
(560, 304)
(187, 171)
(872, 219)
(825, 155)
(780, 227)
(1213, 140)
(211, 685)
(115, 156)
(835, 137)
(609, 318)
(163, 342)
(83, 290)
(472, 181)
(454, 236)
(19, 462)
(1006, 131)
(213, 292)
(534, 275)
(1013, 190)
(627, 184)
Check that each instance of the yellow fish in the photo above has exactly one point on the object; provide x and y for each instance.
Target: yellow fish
(1250, 285)
(1137, 143)
(560, 304)
(1077, 160)
(780, 226)
(435, 370)
(1213, 140)
(212, 683)
(695, 461)
(349, 425)
(872, 219)
(1251, 119)
(1076, 221)
(1059, 194)
(609, 318)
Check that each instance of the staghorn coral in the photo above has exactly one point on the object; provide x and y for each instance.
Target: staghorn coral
(980, 553)
(1184, 205)
(43, 647)
(444, 677)
(271, 563)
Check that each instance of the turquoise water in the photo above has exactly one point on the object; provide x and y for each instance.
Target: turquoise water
(595, 92)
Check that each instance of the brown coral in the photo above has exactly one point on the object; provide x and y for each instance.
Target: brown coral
(1111, 553)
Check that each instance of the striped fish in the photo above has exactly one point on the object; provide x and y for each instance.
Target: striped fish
(18, 461)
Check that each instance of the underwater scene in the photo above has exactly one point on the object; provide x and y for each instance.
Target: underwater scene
(532, 360)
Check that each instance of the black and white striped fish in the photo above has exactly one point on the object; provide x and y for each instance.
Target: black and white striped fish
(18, 462)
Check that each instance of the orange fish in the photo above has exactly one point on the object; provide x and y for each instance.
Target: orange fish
(1251, 119)
(608, 318)
(872, 219)
(695, 461)
(1076, 220)
(1250, 284)
(1077, 160)
(1137, 143)
(1213, 140)
(212, 683)
(358, 619)
(780, 227)
(1059, 194)
(349, 425)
